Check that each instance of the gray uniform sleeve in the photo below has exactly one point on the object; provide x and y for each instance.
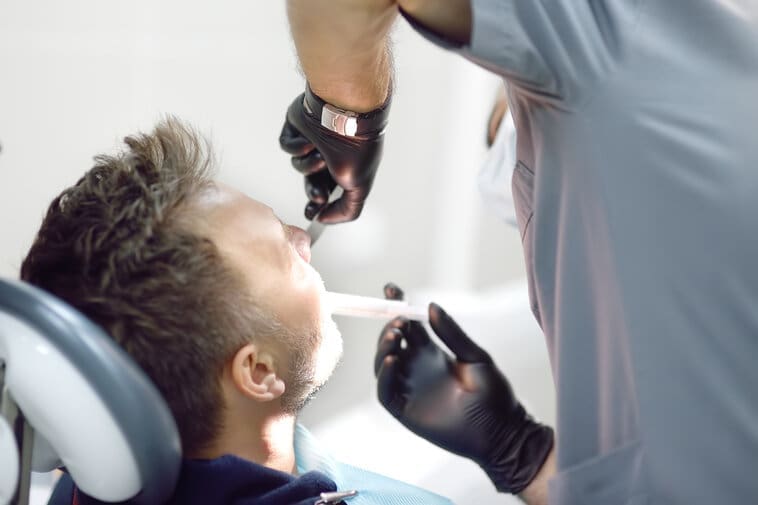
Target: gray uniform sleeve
(551, 50)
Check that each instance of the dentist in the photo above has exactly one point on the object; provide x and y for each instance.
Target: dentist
(635, 192)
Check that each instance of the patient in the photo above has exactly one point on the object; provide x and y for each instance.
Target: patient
(212, 295)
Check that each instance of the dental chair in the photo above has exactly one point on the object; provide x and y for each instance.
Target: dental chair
(73, 399)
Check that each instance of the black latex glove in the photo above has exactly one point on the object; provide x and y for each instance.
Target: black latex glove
(327, 159)
(462, 404)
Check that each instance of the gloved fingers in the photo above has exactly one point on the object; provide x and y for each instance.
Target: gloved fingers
(390, 387)
(390, 344)
(396, 324)
(319, 186)
(293, 142)
(393, 292)
(415, 334)
(465, 349)
(309, 163)
(347, 208)
(413, 331)
(312, 209)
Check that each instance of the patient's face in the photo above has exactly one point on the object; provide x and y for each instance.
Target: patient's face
(274, 259)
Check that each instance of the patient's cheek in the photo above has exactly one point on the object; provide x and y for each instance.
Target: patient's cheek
(300, 310)
(293, 294)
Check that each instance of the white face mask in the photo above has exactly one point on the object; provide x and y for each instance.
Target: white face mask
(494, 178)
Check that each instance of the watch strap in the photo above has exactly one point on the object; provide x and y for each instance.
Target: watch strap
(345, 122)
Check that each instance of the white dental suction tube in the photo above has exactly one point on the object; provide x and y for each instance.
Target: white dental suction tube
(374, 308)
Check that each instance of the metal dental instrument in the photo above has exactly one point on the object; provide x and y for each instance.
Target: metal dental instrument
(335, 497)
(374, 308)
(316, 228)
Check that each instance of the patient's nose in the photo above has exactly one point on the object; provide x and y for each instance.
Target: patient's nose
(302, 242)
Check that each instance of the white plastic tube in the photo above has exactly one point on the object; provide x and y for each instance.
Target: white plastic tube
(374, 308)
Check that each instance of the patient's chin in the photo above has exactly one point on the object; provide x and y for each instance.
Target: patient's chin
(304, 400)
(329, 353)
(312, 370)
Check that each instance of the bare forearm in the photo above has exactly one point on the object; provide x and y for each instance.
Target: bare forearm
(536, 492)
(449, 18)
(343, 47)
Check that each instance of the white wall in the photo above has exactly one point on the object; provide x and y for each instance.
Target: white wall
(77, 76)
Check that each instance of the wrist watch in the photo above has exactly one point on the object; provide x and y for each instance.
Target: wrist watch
(344, 122)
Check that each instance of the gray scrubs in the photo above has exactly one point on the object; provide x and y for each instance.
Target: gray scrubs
(637, 201)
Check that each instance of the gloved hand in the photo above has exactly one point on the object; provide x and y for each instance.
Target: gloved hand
(463, 404)
(327, 158)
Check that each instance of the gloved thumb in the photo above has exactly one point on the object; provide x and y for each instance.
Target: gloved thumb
(455, 339)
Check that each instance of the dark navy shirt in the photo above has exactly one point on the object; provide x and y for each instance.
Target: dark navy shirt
(228, 480)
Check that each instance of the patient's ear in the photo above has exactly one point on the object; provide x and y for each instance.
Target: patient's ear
(254, 374)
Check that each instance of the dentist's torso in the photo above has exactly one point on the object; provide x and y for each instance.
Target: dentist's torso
(636, 194)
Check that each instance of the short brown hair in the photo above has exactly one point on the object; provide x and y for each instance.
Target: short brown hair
(118, 246)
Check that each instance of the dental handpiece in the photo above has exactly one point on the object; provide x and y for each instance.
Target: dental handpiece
(374, 308)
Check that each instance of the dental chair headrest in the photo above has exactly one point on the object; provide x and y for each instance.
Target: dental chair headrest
(93, 410)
